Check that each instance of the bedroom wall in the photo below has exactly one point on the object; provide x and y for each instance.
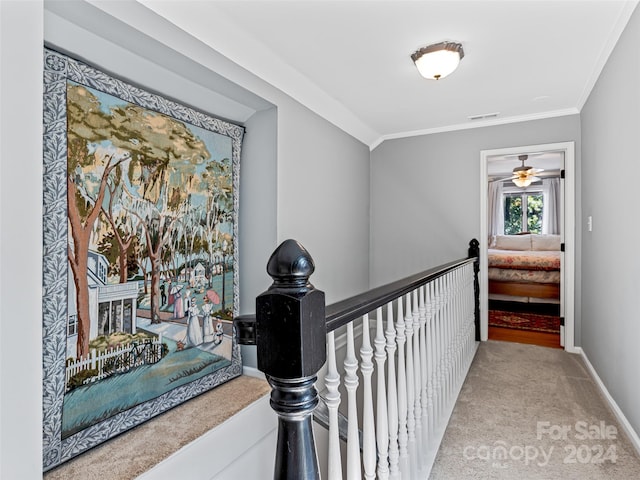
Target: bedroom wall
(610, 167)
(293, 189)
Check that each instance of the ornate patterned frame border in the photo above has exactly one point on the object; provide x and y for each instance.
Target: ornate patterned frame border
(57, 69)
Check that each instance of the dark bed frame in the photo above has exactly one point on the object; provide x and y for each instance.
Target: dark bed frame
(523, 289)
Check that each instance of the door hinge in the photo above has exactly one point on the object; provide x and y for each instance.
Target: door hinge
(562, 247)
(562, 321)
(562, 173)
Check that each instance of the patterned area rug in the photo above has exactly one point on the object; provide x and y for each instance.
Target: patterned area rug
(524, 321)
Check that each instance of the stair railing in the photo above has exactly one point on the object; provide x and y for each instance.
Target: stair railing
(420, 359)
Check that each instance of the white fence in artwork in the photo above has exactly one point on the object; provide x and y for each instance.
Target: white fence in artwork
(115, 360)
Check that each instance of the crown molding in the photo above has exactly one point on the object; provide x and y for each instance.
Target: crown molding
(476, 124)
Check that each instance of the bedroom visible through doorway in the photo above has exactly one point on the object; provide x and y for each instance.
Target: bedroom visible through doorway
(523, 273)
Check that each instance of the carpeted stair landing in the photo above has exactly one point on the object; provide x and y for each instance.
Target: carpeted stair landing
(524, 412)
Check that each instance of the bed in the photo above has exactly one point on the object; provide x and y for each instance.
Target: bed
(524, 268)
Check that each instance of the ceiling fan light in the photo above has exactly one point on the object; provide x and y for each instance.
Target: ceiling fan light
(438, 60)
(522, 182)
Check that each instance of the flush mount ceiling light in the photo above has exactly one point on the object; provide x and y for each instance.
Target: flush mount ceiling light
(438, 60)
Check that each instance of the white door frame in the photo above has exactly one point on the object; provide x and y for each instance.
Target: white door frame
(568, 232)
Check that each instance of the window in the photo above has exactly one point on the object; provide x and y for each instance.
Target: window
(103, 318)
(523, 212)
(72, 325)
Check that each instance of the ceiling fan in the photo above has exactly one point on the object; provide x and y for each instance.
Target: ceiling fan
(523, 176)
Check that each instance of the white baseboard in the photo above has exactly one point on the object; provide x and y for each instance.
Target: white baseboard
(629, 430)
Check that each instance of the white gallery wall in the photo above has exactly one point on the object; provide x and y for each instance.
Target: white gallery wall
(610, 264)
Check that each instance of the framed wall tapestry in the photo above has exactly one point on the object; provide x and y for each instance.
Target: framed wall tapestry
(140, 255)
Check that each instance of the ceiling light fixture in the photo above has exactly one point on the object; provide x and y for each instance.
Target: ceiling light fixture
(438, 60)
(522, 182)
(523, 175)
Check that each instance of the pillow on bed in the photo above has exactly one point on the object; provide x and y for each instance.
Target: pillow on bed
(545, 242)
(513, 242)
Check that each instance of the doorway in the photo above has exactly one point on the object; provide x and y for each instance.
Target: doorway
(519, 210)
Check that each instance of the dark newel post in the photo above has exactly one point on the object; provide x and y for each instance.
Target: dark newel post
(290, 335)
(474, 252)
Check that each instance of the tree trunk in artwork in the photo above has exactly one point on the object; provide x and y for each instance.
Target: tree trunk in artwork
(79, 254)
(155, 241)
(122, 260)
(80, 269)
(154, 257)
(123, 245)
(84, 204)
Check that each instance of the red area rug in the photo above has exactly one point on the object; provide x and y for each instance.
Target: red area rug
(524, 321)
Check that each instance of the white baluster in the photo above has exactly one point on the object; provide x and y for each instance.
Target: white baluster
(431, 349)
(472, 311)
(417, 378)
(448, 325)
(443, 353)
(456, 334)
(402, 393)
(392, 396)
(439, 352)
(423, 372)
(450, 318)
(460, 322)
(411, 421)
(351, 384)
(332, 382)
(457, 351)
(368, 422)
(382, 425)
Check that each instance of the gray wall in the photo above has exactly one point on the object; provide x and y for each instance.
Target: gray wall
(610, 169)
(425, 192)
(257, 220)
(309, 182)
(20, 240)
(323, 199)
(425, 195)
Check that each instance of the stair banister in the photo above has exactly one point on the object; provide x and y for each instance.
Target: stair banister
(290, 330)
(290, 336)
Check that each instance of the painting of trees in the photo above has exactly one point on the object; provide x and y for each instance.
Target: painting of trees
(137, 180)
(140, 195)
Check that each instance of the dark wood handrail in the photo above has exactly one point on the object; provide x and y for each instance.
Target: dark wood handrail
(344, 311)
(349, 309)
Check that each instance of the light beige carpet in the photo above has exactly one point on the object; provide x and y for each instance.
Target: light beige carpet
(528, 412)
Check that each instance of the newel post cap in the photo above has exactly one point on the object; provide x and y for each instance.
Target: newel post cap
(290, 316)
(290, 265)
